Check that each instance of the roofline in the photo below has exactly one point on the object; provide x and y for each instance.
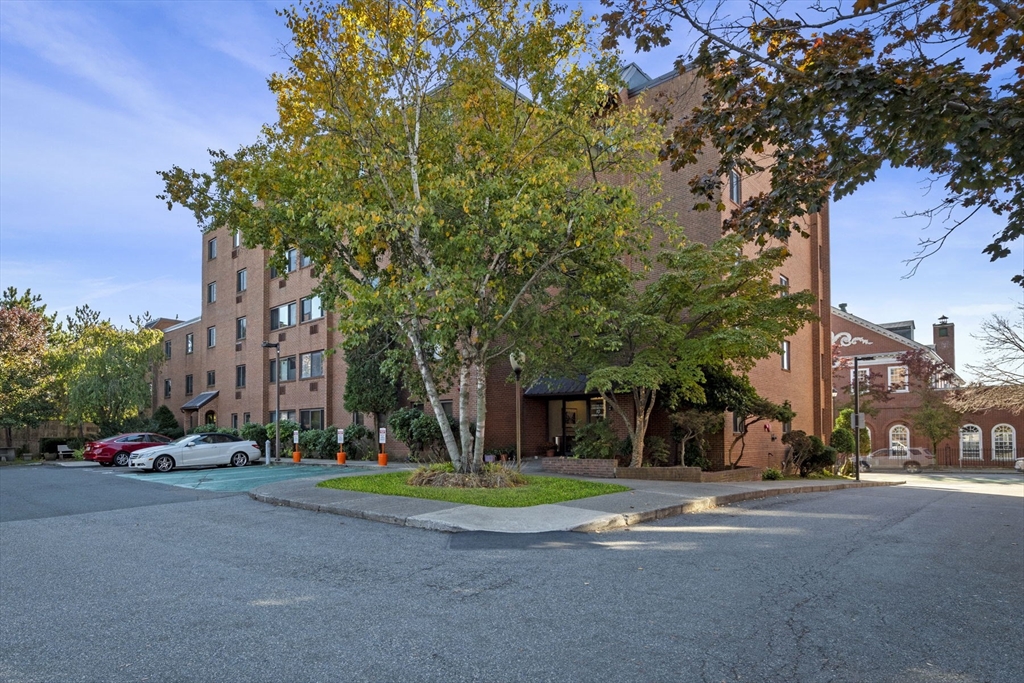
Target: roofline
(183, 324)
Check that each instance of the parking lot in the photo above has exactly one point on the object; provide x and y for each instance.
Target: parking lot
(234, 479)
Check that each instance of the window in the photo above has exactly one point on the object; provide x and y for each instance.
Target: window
(312, 419)
(865, 380)
(943, 331)
(311, 308)
(285, 415)
(241, 280)
(305, 261)
(970, 442)
(240, 328)
(211, 378)
(311, 365)
(188, 385)
(211, 336)
(448, 407)
(287, 369)
(211, 249)
(357, 418)
(239, 376)
(785, 355)
(735, 186)
(282, 316)
(290, 259)
(784, 283)
(234, 420)
(236, 239)
(167, 388)
(167, 349)
(738, 426)
(189, 343)
(787, 427)
(246, 419)
(211, 292)
(1004, 445)
(899, 441)
(898, 381)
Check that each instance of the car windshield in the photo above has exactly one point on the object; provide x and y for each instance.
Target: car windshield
(185, 438)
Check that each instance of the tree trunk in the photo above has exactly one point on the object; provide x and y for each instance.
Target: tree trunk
(644, 402)
(412, 333)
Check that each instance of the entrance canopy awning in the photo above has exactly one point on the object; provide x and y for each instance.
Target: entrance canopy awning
(558, 386)
(200, 401)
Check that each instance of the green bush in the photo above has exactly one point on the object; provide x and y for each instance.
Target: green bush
(204, 429)
(164, 422)
(657, 451)
(595, 440)
(421, 433)
(771, 474)
(253, 431)
(359, 442)
(319, 443)
(287, 427)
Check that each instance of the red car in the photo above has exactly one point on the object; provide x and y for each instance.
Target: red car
(117, 450)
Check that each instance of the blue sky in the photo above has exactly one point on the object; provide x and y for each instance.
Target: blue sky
(95, 97)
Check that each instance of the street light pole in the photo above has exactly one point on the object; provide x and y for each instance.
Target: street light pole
(516, 358)
(277, 398)
(856, 409)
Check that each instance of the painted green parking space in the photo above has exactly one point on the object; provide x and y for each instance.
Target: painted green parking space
(231, 479)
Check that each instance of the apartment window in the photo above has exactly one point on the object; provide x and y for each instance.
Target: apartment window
(189, 343)
(899, 441)
(167, 388)
(311, 419)
(188, 385)
(735, 186)
(311, 308)
(285, 415)
(211, 336)
(167, 349)
(357, 418)
(290, 257)
(211, 249)
(234, 420)
(211, 378)
(211, 292)
(448, 407)
(241, 280)
(239, 376)
(287, 369)
(305, 261)
(738, 423)
(236, 239)
(246, 418)
(311, 365)
(240, 328)
(785, 355)
(898, 379)
(784, 283)
(282, 316)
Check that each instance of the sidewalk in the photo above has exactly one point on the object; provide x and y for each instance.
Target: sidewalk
(649, 500)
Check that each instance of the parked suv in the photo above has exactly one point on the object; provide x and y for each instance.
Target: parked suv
(117, 450)
(909, 459)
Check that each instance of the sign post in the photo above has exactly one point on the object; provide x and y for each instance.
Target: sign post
(341, 446)
(382, 437)
(296, 456)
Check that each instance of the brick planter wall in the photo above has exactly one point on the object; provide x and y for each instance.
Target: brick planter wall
(738, 474)
(692, 474)
(580, 468)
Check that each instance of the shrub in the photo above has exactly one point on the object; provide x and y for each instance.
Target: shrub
(771, 474)
(287, 427)
(492, 476)
(164, 422)
(204, 429)
(594, 440)
(848, 468)
(421, 433)
(253, 431)
(358, 442)
(657, 451)
(319, 443)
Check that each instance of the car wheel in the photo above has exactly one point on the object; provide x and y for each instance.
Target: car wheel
(912, 467)
(239, 460)
(121, 459)
(163, 464)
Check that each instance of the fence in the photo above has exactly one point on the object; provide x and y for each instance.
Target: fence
(950, 456)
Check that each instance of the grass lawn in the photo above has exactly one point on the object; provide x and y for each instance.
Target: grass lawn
(539, 490)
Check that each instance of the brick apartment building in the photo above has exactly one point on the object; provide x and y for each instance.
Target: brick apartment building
(987, 439)
(216, 369)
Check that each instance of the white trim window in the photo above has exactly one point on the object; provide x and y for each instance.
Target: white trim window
(1004, 442)
(311, 365)
(899, 441)
(211, 337)
(970, 442)
(236, 239)
(865, 380)
(899, 379)
(211, 249)
(785, 355)
(735, 186)
(311, 309)
(211, 293)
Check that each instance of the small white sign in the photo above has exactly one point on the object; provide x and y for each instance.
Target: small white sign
(382, 435)
(857, 421)
(295, 436)
(341, 436)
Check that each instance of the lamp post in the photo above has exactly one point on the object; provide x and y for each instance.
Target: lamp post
(277, 397)
(516, 358)
(856, 409)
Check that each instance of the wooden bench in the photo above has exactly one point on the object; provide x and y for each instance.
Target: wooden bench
(65, 450)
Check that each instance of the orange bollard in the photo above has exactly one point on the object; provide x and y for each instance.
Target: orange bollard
(341, 457)
(382, 459)
(296, 456)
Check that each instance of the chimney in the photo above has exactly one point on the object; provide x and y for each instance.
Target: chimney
(944, 340)
(842, 307)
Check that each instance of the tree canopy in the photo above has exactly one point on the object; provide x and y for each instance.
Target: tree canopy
(825, 95)
(448, 168)
(27, 390)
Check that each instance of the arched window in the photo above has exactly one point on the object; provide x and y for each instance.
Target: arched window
(211, 417)
(970, 442)
(1004, 442)
(899, 441)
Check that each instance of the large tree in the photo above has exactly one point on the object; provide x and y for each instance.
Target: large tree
(825, 94)
(448, 166)
(26, 362)
(933, 417)
(709, 305)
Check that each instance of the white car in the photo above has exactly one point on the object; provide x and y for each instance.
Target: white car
(1018, 464)
(196, 450)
